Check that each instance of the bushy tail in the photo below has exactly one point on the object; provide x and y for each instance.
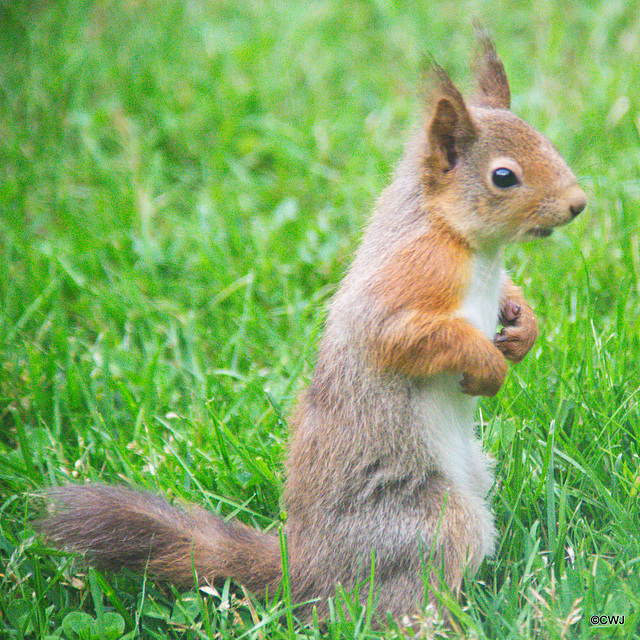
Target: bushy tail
(117, 527)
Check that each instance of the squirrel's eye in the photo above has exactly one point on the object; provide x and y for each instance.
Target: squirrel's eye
(504, 178)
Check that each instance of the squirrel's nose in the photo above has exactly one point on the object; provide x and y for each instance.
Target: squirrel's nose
(577, 201)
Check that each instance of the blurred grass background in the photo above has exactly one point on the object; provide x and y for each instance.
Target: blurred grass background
(182, 186)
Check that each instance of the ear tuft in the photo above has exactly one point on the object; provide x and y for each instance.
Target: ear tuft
(493, 86)
(450, 129)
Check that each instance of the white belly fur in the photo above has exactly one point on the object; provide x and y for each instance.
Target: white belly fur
(447, 414)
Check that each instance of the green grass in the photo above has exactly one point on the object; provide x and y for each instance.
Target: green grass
(183, 183)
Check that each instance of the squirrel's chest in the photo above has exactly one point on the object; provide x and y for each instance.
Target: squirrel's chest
(480, 305)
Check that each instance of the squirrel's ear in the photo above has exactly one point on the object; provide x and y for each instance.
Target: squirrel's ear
(493, 86)
(450, 129)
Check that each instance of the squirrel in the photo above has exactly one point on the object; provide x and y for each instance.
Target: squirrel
(385, 475)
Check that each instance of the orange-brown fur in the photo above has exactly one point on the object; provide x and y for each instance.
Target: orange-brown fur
(427, 274)
(422, 346)
(383, 458)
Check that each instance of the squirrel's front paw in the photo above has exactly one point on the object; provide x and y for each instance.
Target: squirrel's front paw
(484, 385)
(519, 331)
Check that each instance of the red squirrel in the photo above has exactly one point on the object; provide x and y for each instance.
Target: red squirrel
(383, 458)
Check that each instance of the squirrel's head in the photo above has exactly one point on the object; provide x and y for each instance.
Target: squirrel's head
(497, 178)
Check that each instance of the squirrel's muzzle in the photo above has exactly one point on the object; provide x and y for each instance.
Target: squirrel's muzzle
(577, 201)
